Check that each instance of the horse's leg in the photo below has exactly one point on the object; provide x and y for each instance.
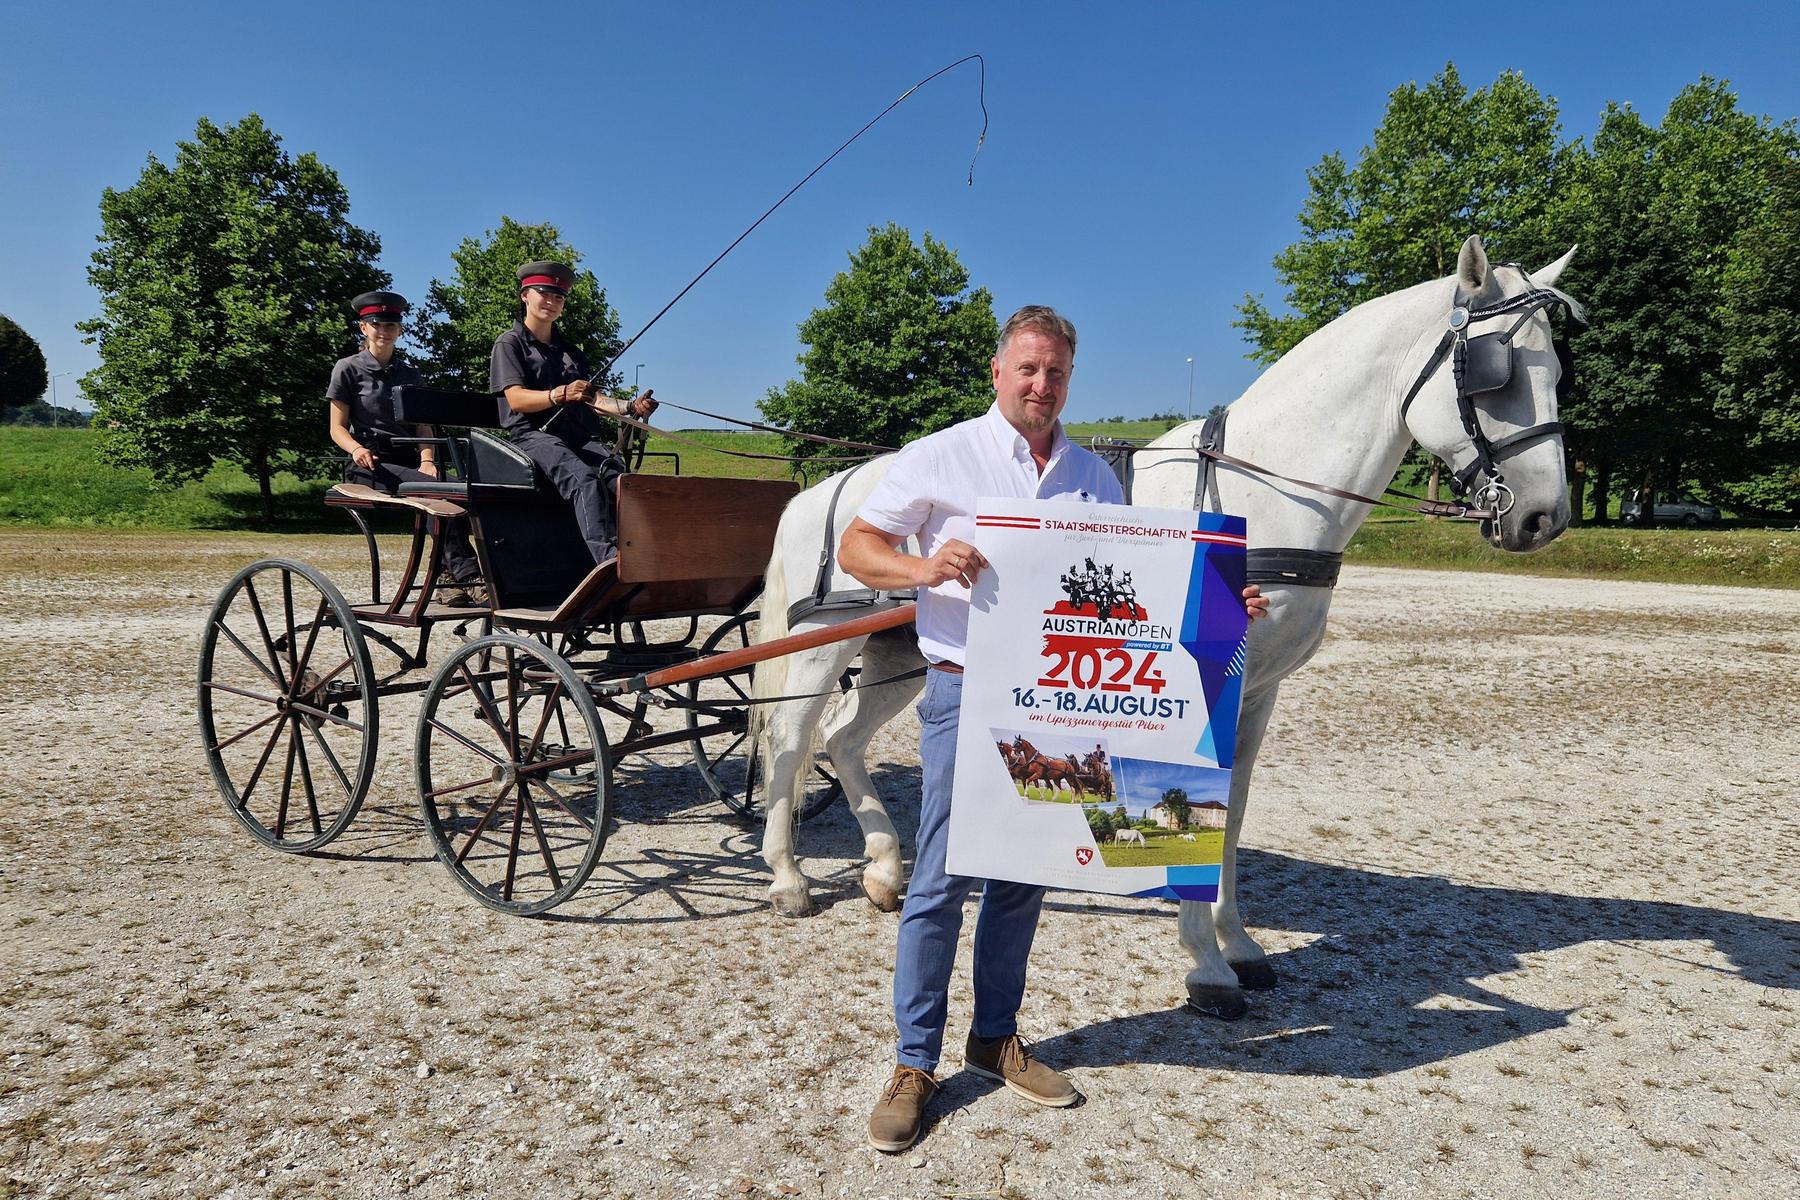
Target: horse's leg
(1247, 959)
(788, 745)
(1278, 646)
(847, 731)
(1215, 985)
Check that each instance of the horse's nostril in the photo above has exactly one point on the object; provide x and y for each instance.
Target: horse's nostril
(1542, 523)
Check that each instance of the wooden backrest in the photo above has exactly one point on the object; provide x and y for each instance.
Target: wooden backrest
(674, 527)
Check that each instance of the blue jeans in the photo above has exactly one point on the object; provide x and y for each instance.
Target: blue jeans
(1004, 925)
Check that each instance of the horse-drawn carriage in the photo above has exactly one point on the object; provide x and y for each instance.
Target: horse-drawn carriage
(512, 753)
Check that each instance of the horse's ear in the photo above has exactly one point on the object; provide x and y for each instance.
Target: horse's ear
(1547, 276)
(1472, 272)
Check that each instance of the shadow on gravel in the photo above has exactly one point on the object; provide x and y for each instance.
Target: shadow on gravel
(1349, 1004)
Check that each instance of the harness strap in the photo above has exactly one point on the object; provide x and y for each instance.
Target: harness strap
(821, 597)
(1296, 567)
(1206, 483)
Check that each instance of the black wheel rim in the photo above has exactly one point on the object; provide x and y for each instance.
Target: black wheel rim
(287, 705)
(513, 774)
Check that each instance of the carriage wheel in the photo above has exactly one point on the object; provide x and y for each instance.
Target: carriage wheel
(513, 777)
(731, 765)
(287, 705)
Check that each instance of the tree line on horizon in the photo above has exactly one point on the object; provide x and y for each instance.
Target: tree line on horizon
(224, 278)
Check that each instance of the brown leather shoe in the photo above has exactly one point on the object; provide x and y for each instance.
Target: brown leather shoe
(463, 595)
(1008, 1061)
(898, 1115)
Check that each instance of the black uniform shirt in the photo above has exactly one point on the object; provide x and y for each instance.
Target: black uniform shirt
(520, 360)
(363, 385)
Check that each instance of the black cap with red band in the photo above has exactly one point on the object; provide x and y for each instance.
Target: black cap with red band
(379, 306)
(551, 276)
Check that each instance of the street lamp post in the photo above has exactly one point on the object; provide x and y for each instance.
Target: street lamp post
(1190, 389)
(53, 380)
(634, 378)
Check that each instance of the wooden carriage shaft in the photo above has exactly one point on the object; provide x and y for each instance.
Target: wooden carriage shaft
(731, 660)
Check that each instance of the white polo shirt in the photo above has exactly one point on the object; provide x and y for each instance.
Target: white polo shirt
(935, 484)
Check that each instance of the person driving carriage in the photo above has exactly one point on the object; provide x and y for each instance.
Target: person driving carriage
(362, 425)
(547, 402)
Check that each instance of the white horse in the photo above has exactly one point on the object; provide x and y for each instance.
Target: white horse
(1188, 837)
(1333, 411)
(1126, 837)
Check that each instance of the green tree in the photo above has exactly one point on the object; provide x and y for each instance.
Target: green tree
(1443, 163)
(1100, 823)
(1758, 396)
(1175, 800)
(900, 349)
(222, 282)
(454, 329)
(1687, 262)
(23, 375)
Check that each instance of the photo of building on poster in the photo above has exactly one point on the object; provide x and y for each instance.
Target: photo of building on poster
(1163, 814)
(1142, 813)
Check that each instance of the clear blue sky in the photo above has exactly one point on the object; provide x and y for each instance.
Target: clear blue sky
(1143, 162)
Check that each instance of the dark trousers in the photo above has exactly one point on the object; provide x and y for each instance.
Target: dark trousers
(585, 474)
(459, 556)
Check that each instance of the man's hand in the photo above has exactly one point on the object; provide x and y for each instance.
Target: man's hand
(642, 406)
(580, 392)
(428, 468)
(953, 560)
(1255, 603)
(363, 457)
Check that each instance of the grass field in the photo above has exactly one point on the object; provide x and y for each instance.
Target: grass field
(1167, 850)
(54, 478)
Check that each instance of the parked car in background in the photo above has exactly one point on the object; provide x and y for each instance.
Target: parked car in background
(1686, 511)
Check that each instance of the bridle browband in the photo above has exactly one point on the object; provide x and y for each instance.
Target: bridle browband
(1484, 364)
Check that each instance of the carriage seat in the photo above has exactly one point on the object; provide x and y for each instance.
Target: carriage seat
(361, 495)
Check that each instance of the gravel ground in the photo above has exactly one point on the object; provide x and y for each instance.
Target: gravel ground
(1524, 851)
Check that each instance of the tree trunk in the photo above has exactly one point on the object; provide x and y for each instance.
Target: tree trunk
(1602, 491)
(264, 485)
(1577, 491)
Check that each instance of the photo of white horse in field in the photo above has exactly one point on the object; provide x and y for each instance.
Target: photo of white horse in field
(1129, 837)
(1339, 410)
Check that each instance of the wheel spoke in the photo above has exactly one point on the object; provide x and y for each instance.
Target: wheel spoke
(336, 767)
(543, 843)
(480, 826)
(312, 798)
(458, 787)
(514, 681)
(274, 716)
(325, 715)
(237, 691)
(330, 675)
(564, 805)
(287, 613)
(449, 732)
(487, 709)
(552, 702)
(580, 758)
(245, 651)
(287, 784)
(312, 638)
(262, 625)
(518, 825)
(243, 800)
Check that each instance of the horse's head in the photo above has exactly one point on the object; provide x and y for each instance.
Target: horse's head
(1486, 401)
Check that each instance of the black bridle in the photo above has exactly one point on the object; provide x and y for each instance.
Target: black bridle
(1482, 364)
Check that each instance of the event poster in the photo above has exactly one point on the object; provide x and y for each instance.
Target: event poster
(1100, 698)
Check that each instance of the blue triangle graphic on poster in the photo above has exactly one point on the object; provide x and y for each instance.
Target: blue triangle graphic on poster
(1216, 605)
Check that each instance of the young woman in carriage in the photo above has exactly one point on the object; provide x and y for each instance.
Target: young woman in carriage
(362, 425)
(548, 405)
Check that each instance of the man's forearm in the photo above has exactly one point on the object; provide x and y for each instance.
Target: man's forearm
(877, 562)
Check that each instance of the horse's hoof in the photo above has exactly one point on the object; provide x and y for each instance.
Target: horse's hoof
(790, 904)
(881, 894)
(1255, 975)
(1223, 1003)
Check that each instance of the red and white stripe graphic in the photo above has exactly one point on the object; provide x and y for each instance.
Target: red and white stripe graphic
(1004, 522)
(1220, 539)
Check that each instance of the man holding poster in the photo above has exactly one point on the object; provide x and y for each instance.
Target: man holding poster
(1015, 450)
